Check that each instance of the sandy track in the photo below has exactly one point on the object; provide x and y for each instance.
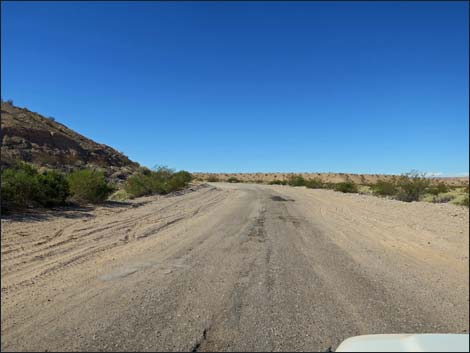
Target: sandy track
(233, 267)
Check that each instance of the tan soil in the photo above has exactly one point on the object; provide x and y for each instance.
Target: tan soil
(232, 267)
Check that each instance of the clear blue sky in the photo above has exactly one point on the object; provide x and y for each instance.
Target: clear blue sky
(371, 87)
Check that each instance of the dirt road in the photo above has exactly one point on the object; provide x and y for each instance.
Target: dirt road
(233, 267)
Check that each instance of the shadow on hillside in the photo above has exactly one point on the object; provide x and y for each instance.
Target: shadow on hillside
(70, 211)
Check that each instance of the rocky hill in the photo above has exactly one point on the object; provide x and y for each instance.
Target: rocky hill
(33, 138)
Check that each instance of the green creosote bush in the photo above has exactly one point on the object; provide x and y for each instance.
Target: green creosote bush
(233, 180)
(384, 188)
(464, 202)
(314, 183)
(88, 186)
(330, 186)
(23, 186)
(296, 180)
(412, 186)
(278, 182)
(54, 188)
(346, 187)
(439, 188)
(19, 187)
(442, 198)
(213, 179)
(162, 180)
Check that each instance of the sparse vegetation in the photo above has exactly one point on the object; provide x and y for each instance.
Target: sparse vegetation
(464, 201)
(442, 198)
(20, 186)
(439, 188)
(314, 183)
(162, 180)
(346, 187)
(23, 186)
(296, 180)
(88, 186)
(53, 188)
(233, 180)
(385, 188)
(278, 182)
(213, 179)
(412, 186)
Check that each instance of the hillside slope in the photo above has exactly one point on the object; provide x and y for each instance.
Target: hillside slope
(30, 137)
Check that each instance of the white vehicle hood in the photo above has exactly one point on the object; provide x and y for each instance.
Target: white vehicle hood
(406, 343)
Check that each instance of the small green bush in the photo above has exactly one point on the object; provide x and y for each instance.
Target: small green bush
(54, 189)
(88, 186)
(139, 185)
(412, 186)
(314, 183)
(346, 187)
(233, 180)
(442, 198)
(160, 181)
(19, 187)
(384, 188)
(23, 186)
(178, 181)
(296, 180)
(213, 179)
(330, 186)
(278, 182)
(464, 202)
(439, 188)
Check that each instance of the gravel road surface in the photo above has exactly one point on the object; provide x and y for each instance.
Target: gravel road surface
(233, 267)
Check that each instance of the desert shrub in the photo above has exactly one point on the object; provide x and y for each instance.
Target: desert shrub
(53, 189)
(314, 183)
(439, 188)
(89, 186)
(119, 195)
(212, 179)
(144, 171)
(178, 181)
(160, 181)
(346, 187)
(412, 186)
(464, 201)
(296, 180)
(233, 180)
(384, 188)
(139, 185)
(19, 186)
(278, 182)
(163, 172)
(442, 198)
(329, 185)
(22, 186)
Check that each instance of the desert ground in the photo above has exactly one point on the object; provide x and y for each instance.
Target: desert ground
(232, 267)
(361, 179)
